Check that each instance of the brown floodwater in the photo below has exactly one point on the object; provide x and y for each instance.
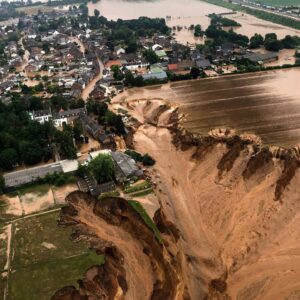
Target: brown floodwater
(265, 103)
(184, 13)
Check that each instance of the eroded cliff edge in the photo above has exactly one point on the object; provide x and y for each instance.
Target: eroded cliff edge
(229, 217)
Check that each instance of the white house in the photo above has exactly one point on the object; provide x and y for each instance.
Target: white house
(41, 116)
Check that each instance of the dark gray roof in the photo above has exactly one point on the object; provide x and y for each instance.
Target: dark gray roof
(125, 163)
(69, 113)
(203, 63)
(257, 57)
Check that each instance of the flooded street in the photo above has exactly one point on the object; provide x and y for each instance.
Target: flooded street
(184, 13)
(265, 103)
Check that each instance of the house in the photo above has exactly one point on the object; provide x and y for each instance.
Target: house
(225, 49)
(92, 127)
(182, 67)
(119, 50)
(41, 116)
(125, 167)
(156, 73)
(67, 116)
(203, 64)
(76, 90)
(157, 47)
(6, 86)
(111, 63)
(94, 154)
(31, 69)
(261, 58)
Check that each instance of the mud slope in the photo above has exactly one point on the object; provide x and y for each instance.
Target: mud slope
(136, 265)
(235, 203)
(229, 218)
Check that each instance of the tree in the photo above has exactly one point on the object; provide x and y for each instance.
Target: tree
(290, 42)
(96, 13)
(195, 72)
(270, 36)
(102, 168)
(148, 160)
(131, 46)
(2, 184)
(115, 120)
(31, 153)
(117, 73)
(256, 41)
(8, 159)
(77, 130)
(273, 45)
(65, 141)
(151, 56)
(82, 171)
(198, 31)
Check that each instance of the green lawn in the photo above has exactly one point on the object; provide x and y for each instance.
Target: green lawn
(39, 281)
(45, 259)
(142, 212)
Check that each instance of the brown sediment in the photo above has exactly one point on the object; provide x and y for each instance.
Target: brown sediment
(219, 191)
(224, 235)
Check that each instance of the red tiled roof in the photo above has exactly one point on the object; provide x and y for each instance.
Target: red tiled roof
(173, 67)
(113, 63)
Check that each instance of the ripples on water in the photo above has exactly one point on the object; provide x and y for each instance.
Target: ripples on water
(267, 104)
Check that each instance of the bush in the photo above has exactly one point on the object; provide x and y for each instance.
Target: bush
(146, 159)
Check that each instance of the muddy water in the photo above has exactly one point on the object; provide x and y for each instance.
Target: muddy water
(265, 103)
(184, 13)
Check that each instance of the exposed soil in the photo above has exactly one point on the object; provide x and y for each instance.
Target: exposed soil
(219, 191)
(137, 266)
(229, 217)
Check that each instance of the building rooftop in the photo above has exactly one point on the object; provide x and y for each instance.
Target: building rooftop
(126, 164)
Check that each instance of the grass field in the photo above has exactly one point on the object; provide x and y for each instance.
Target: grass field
(44, 259)
(279, 2)
(149, 222)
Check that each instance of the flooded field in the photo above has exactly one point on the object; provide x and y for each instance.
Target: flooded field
(184, 13)
(265, 103)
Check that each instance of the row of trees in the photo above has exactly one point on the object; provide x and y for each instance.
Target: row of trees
(270, 41)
